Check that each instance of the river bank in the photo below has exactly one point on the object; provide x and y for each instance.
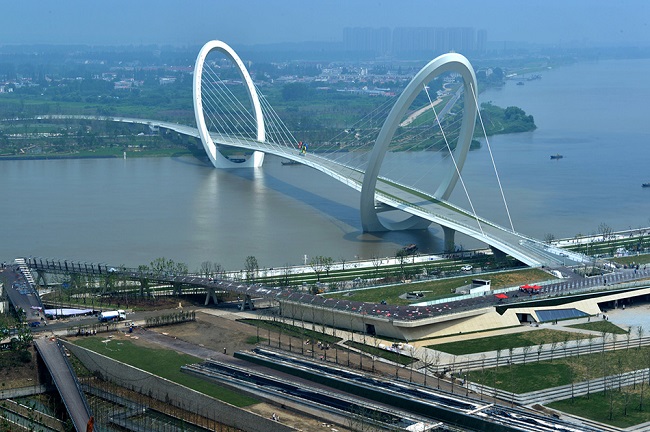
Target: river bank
(118, 154)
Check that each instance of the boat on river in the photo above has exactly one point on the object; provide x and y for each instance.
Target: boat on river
(410, 249)
(290, 162)
(645, 185)
(557, 156)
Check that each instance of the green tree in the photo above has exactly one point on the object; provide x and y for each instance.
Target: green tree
(161, 265)
(23, 338)
(319, 264)
(606, 231)
(251, 267)
(401, 256)
(295, 92)
(180, 268)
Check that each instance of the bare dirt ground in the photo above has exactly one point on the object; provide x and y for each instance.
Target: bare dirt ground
(16, 374)
(216, 332)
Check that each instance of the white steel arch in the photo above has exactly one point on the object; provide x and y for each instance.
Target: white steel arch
(451, 62)
(217, 159)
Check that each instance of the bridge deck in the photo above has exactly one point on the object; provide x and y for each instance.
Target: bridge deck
(399, 315)
(65, 382)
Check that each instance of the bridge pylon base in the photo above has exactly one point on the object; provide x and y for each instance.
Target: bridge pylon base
(370, 221)
(497, 253)
(450, 235)
(40, 276)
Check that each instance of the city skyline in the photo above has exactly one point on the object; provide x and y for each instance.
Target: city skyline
(165, 22)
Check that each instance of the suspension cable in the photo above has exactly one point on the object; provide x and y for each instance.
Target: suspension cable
(492, 158)
(454, 160)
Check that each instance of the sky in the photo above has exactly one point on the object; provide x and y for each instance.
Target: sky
(250, 22)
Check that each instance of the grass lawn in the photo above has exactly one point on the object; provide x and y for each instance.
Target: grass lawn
(534, 375)
(632, 259)
(619, 408)
(522, 379)
(385, 354)
(441, 288)
(504, 342)
(601, 326)
(163, 363)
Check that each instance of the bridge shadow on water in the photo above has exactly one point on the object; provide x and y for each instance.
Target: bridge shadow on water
(196, 159)
(425, 239)
(428, 240)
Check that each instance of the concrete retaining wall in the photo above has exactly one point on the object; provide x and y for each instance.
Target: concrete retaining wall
(25, 391)
(175, 394)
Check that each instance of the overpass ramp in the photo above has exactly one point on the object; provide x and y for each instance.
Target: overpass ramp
(65, 381)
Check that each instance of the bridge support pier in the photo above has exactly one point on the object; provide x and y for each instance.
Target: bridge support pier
(40, 276)
(210, 294)
(247, 303)
(144, 286)
(75, 280)
(450, 234)
(177, 289)
(497, 253)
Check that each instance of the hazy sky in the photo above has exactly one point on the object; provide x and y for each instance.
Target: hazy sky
(239, 22)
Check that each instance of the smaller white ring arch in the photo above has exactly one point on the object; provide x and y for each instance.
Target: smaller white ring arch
(217, 159)
(451, 62)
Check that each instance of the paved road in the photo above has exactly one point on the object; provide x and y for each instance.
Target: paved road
(22, 294)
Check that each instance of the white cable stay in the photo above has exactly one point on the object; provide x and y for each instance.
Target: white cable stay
(496, 172)
(228, 116)
(237, 112)
(277, 128)
(455, 125)
(455, 164)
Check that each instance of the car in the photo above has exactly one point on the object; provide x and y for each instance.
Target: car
(466, 268)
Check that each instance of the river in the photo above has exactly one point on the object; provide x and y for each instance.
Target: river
(129, 212)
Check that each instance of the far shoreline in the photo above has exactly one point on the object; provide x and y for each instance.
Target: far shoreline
(137, 155)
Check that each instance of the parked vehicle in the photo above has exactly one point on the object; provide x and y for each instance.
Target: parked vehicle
(115, 315)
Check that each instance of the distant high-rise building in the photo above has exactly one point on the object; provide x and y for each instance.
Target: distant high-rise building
(481, 41)
(414, 40)
(367, 39)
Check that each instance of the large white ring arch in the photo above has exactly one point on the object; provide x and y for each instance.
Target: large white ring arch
(217, 159)
(451, 62)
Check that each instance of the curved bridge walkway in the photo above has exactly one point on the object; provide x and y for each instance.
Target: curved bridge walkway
(65, 381)
(393, 195)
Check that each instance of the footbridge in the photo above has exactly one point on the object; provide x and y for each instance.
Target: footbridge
(65, 381)
(405, 322)
(257, 130)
